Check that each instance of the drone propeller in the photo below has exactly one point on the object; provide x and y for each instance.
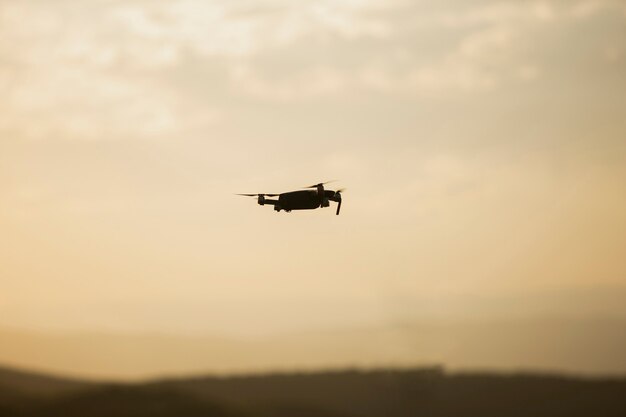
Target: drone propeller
(320, 184)
(259, 195)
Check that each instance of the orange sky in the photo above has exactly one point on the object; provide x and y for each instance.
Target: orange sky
(483, 146)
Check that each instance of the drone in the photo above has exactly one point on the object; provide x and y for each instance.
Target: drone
(306, 199)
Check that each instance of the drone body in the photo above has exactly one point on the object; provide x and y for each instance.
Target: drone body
(302, 199)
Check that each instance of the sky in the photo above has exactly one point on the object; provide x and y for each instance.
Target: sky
(482, 144)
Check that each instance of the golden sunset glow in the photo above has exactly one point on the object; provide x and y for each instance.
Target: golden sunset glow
(482, 144)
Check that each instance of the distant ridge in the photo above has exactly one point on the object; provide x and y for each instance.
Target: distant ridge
(357, 393)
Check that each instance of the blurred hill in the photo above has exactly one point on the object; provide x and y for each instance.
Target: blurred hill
(19, 390)
(425, 392)
(581, 346)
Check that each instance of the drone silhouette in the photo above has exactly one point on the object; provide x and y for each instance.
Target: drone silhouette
(305, 199)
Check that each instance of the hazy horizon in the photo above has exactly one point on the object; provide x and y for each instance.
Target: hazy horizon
(589, 347)
(482, 144)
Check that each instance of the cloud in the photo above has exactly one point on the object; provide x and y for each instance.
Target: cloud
(67, 74)
(314, 82)
(83, 104)
(482, 57)
(584, 9)
(114, 69)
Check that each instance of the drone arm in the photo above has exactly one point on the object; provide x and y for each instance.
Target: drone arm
(269, 202)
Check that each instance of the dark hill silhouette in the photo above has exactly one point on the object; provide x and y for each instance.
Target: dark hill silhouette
(35, 384)
(132, 401)
(423, 392)
(398, 393)
(20, 390)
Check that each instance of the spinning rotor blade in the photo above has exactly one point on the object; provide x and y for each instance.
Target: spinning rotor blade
(321, 183)
(258, 195)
